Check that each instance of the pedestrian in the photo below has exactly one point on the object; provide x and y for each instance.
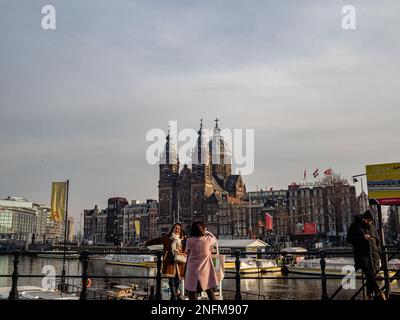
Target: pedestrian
(200, 273)
(174, 257)
(363, 236)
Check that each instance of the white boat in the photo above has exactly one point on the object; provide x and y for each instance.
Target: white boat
(143, 260)
(249, 265)
(37, 293)
(334, 266)
(58, 255)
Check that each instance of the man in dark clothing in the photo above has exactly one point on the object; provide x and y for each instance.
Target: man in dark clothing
(363, 236)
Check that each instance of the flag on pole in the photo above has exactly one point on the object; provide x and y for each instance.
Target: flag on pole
(316, 173)
(305, 174)
(268, 221)
(58, 200)
(328, 172)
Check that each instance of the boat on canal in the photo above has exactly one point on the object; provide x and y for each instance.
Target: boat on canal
(334, 266)
(58, 254)
(249, 265)
(133, 260)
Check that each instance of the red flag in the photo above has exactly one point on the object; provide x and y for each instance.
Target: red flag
(328, 172)
(268, 221)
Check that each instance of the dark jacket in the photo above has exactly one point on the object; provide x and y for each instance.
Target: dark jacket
(366, 252)
(169, 267)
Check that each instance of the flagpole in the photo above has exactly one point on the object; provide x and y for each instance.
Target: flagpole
(65, 238)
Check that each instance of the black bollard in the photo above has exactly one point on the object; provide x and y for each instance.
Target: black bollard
(323, 276)
(158, 277)
(85, 276)
(14, 288)
(238, 295)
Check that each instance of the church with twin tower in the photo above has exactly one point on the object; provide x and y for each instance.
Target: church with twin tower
(194, 194)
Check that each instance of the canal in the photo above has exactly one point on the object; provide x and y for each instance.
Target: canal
(283, 288)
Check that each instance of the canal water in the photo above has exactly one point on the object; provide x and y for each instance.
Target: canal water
(271, 289)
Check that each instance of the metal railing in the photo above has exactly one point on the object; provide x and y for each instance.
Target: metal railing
(84, 276)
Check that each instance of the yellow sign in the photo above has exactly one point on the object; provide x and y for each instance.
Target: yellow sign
(137, 227)
(58, 199)
(384, 183)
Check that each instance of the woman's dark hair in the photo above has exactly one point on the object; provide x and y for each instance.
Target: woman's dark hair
(172, 230)
(198, 229)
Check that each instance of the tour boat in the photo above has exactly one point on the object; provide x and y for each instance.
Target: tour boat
(146, 261)
(334, 266)
(58, 255)
(248, 265)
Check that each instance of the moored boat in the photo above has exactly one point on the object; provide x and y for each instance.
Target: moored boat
(145, 261)
(248, 265)
(58, 255)
(338, 266)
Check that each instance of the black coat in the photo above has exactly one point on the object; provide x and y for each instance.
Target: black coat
(366, 252)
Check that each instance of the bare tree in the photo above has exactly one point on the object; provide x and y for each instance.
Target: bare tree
(336, 197)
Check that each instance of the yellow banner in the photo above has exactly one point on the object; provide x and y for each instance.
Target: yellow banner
(137, 227)
(384, 182)
(58, 200)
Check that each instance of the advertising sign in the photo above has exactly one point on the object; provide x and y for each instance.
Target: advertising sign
(384, 183)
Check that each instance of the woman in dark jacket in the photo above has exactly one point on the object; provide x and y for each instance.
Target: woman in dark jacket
(173, 244)
(363, 236)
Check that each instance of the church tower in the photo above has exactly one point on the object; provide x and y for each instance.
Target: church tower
(169, 171)
(202, 186)
(220, 155)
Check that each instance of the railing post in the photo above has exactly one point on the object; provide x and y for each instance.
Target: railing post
(238, 295)
(323, 276)
(158, 277)
(85, 276)
(13, 295)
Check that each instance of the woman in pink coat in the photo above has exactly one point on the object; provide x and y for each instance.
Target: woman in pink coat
(200, 273)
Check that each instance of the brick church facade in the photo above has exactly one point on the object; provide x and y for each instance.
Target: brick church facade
(202, 191)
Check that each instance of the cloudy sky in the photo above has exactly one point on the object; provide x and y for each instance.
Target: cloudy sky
(76, 102)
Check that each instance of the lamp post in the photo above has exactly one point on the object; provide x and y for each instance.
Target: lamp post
(355, 180)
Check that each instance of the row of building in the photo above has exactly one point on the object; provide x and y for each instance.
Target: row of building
(121, 223)
(208, 191)
(23, 222)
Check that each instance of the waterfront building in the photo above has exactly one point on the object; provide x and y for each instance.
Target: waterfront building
(121, 223)
(134, 216)
(54, 230)
(115, 217)
(17, 220)
(42, 212)
(95, 225)
(309, 213)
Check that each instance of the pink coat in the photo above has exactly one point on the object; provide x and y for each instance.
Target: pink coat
(199, 265)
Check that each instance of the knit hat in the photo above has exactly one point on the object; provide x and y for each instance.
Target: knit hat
(368, 215)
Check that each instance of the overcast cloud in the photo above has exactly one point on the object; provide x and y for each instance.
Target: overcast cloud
(76, 103)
